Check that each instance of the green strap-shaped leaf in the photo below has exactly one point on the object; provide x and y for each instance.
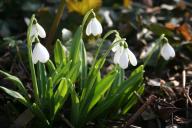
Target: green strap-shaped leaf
(59, 53)
(91, 81)
(129, 86)
(60, 72)
(74, 72)
(61, 94)
(51, 67)
(133, 100)
(42, 80)
(83, 72)
(49, 97)
(15, 95)
(117, 82)
(101, 88)
(38, 112)
(17, 82)
(75, 46)
(75, 106)
(111, 100)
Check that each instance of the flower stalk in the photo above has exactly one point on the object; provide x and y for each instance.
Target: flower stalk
(32, 68)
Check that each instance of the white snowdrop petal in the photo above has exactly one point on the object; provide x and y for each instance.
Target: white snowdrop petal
(172, 51)
(43, 54)
(94, 27)
(164, 54)
(117, 55)
(116, 47)
(131, 57)
(34, 58)
(27, 20)
(123, 61)
(40, 53)
(108, 19)
(167, 51)
(40, 30)
(66, 34)
(33, 31)
(99, 26)
(35, 54)
(88, 28)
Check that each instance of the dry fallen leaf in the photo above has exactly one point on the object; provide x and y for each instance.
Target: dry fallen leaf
(170, 25)
(185, 30)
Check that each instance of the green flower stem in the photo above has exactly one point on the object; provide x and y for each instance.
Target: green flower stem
(55, 25)
(108, 51)
(99, 67)
(86, 17)
(157, 43)
(100, 45)
(33, 75)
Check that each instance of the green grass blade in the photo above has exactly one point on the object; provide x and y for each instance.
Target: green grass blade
(75, 47)
(91, 80)
(60, 72)
(16, 82)
(74, 72)
(49, 98)
(83, 58)
(132, 100)
(75, 106)
(15, 95)
(60, 95)
(51, 67)
(111, 101)
(59, 53)
(101, 88)
(42, 80)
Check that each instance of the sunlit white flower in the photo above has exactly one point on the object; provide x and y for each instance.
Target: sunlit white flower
(167, 51)
(40, 54)
(106, 15)
(66, 34)
(37, 30)
(27, 20)
(116, 45)
(123, 56)
(94, 27)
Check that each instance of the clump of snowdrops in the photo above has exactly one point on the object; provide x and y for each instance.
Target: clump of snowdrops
(91, 94)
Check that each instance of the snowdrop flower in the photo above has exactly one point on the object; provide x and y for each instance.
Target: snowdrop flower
(167, 51)
(27, 20)
(40, 54)
(37, 30)
(117, 45)
(66, 34)
(106, 15)
(94, 27)
(123, 55)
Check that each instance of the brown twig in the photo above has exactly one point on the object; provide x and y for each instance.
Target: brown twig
(149, 101)
(55, 24)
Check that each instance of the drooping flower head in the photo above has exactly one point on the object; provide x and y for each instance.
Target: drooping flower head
(37, 30)
(94, 27)
(123, 54)
(66, 34)
(40, 54)
(167, 50)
